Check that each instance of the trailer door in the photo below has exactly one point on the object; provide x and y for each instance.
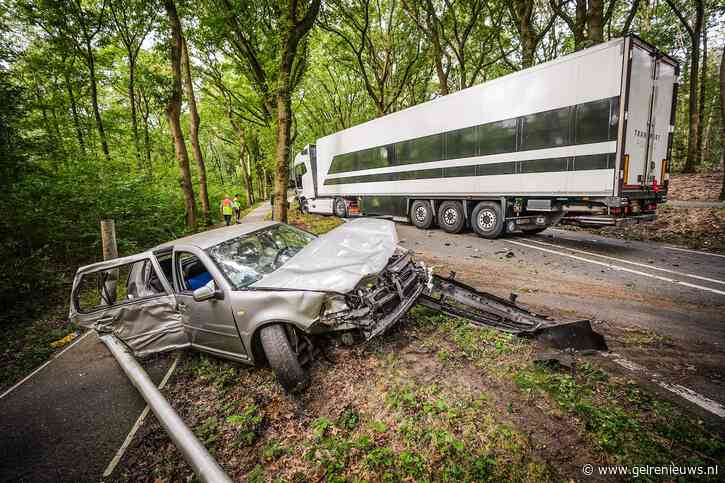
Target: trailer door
(662, 121)
(639, 109)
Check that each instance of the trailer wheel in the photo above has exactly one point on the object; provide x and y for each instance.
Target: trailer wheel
(451, 217)
(283, 360)
(487, 219)
(340, 208)
(421, 214)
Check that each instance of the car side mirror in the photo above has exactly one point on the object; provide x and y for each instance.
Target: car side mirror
(206, 292)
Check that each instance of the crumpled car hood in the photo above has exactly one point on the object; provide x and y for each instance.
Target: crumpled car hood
(338, 260)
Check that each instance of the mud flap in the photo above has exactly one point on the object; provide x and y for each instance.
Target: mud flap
(444, 294)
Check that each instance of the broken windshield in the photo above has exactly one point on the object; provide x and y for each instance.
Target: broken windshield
(248, 258)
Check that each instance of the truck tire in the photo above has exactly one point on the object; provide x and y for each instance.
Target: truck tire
(340, 208)
(487, 219)
(421, 214)
(283, 360)
(451, 217)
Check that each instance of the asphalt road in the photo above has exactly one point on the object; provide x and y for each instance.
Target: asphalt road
(631, 289)
(67, 422)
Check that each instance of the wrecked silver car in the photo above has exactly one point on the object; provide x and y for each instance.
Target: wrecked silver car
(265, 291)
(253, 292)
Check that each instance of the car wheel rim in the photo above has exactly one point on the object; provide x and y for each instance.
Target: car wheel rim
(487, 220)
(420, 214)
(450, 216)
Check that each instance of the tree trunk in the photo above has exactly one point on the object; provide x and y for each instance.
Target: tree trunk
(281, 175)
(132, 100)
(722, 121)
(94, 100)
(194, 132)
(147, 144)
(74, 112)
(438, 59)
(693, 141)
(243, 164)
(173, 113)
(596, 22)
(703, 92)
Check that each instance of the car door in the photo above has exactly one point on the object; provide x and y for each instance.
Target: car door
(132, 299)
(209, 323)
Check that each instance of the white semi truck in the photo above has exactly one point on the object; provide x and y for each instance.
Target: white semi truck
(586, 138)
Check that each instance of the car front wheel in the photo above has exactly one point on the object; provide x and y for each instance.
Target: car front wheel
(283, 359)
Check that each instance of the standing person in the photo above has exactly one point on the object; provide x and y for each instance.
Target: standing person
(227, 209)
(237, 205)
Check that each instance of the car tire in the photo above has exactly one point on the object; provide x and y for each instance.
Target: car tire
(283, 360)
(340, 208)
(451, 217)
(487, 219)
(421, 214)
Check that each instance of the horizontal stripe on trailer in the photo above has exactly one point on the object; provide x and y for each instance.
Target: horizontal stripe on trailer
(548, 165)
(590, 122)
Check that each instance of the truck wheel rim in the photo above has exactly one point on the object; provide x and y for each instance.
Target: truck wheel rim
(450, 216)
(340, 207)
(487, 220)
(420, 213)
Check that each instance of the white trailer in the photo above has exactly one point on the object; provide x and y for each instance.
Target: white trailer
(585, 138)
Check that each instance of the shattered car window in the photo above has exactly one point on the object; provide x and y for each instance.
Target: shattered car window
(122, 284)
(247, 259)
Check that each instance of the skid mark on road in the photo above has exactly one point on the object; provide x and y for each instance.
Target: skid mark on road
(694, 397)
(645, 265)
(619, 268)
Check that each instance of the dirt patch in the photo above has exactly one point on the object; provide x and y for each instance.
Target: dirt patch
(695, 187)
(696, 228)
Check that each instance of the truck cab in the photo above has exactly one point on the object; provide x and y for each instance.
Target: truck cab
(303, 174)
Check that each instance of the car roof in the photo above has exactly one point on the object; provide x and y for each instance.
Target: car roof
(209, 238)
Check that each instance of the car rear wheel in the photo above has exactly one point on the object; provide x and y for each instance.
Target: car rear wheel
(450, 217)
(283, 359)
(487, 219)
(421, 214)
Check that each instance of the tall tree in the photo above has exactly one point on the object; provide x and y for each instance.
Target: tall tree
(531, 30)
(276, 71)
(587, 20)
(387, 51)
(133, 20)
(722, 121)
(693, 28)
(173, 113)
(194, 131)
(462, 35)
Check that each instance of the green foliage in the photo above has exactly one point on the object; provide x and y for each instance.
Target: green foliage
(625, 422)
(247, 423)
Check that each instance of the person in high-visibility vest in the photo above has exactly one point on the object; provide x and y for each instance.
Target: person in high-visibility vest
(237, 205)
(227, 209)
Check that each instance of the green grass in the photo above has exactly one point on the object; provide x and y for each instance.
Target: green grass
(623, 420)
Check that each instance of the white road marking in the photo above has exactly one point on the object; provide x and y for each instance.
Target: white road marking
(137, 425)
(45, 364)
(695, 251)
(617, 267)
(684, 392)
(645, 265)
(704, 402)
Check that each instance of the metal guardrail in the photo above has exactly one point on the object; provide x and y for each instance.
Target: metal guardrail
(205, 467)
